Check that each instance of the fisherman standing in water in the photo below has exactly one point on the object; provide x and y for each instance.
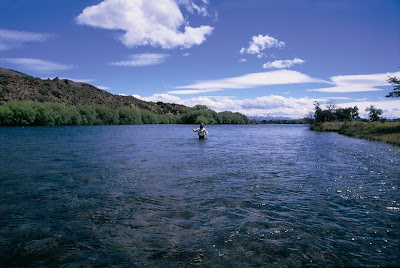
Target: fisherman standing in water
(202, 131)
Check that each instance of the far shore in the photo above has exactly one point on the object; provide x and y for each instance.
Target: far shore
(388, 132)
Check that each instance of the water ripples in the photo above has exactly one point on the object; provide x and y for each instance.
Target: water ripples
(248, 196)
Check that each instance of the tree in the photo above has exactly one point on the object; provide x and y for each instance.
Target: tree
(318, 113)
(354, 112)
(343, 114)
(346, 114)
(396, 91)
(374, 113)
(324, 115)
(331, 106)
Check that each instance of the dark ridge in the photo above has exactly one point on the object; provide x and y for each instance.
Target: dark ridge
(17, 86)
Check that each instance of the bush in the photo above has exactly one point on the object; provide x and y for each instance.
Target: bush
(128, 116)
(88, 115)
(23, 113)
(6, 116)
(149, 117)
(55, 114)
(107, 116)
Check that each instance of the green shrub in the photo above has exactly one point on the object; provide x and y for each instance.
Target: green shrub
(107, 116)
(55, 114)
(129, 116)
(6, 116)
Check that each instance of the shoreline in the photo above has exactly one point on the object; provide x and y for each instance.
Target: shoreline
(388, 132)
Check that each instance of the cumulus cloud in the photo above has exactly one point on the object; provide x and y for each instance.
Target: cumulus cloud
(167, 98)
(390, 108)
(251, 80)
(357, 83)
(281, 64)
(259, 43)
(272, 105)
(10, 39)
(37, 65)
(158, 23)
(145, 59)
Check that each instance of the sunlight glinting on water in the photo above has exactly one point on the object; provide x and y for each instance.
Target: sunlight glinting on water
(263, 195)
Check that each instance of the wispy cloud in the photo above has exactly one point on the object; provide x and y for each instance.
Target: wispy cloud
(259, 43)
(157, 23)
(201, 7)
(145, 59)
(281, 64)
(357, 83)
(10, 39)
(37, 65)
(103, 87)
(336, 98)
(279, 77)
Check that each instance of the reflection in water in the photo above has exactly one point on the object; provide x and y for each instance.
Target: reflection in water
(157, 196)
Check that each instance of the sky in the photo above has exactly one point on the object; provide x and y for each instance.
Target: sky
(257, 57)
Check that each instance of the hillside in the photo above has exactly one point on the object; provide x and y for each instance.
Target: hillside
(16, 86)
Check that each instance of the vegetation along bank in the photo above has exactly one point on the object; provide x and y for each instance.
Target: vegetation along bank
(29, 101)
(387, 132)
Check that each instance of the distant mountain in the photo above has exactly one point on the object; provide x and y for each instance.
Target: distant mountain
(17, 86)
(268, 118)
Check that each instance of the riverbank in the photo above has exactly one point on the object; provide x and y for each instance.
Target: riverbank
(388, 132)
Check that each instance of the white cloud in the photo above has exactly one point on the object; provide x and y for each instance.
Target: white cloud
(266, 105)
(336, 98)
(155, 23)
(103, 87)
(161, 97)
(251, 80)
(10, 39)
(186, 54)
(259, 43)
(281, 64)
(242, 60)
(357, 83)
(191, 6)
(390, 108)
(272, 105)
(37, 65)
(145, 59)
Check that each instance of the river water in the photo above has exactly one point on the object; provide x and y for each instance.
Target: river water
(156, 196)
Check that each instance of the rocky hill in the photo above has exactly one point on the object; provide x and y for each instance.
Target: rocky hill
(16, 86)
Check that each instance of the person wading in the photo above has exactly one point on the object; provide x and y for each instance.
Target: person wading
(202, 131)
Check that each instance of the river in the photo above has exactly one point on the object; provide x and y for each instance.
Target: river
(156, 196)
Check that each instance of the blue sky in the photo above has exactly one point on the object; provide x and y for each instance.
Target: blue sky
(257, 57)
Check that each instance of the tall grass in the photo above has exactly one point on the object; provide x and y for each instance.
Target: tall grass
(387, 132)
